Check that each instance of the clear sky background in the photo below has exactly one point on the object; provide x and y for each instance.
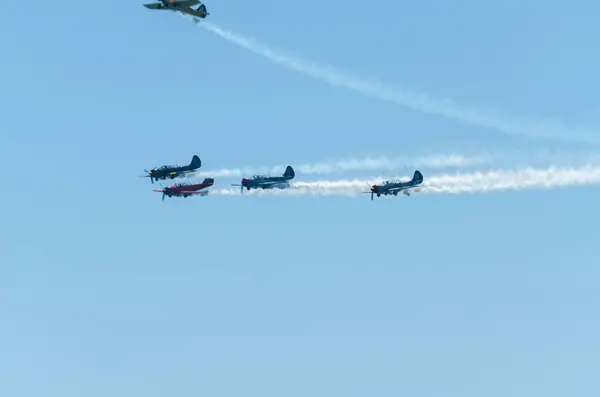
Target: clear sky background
(107, 290)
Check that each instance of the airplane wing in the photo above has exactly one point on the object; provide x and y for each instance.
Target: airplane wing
(406, 189)
(192, 192)
(181, 172)
(182, 4)
(399, 188)
(267, 183)
(274, 185)
(154, 6)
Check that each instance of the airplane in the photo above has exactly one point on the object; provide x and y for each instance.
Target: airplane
(173, 171)
(186, 189)
(395, 187)
(268, 182)
(183, 6)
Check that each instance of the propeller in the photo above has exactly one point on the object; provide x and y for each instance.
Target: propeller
(370, 191)
(240, 185)
(163, 191)
(149, 175)
(146, 176)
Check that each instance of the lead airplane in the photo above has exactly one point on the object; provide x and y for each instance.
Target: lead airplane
(395, 187)
(186, 189)
(183, 6)
(268, 182)
(173, 171)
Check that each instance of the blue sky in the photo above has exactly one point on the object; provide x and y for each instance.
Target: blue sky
(105, 289)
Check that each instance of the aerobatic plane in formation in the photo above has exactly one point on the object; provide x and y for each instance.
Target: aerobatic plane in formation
(186, 189)
(172, 171)
(268, 182)
(395, 187)
(183, 6)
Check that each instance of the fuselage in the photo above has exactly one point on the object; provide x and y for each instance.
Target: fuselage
(185, 189)
(181, 189)
(394, 187)
(164, 172)
(169, 4)
(266, 182)
(384, 189)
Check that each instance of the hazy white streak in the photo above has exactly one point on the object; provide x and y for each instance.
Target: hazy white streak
(415, 101)
(364, 164)
(538, 158)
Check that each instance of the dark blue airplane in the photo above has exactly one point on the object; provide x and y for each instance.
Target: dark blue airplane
(268, 182)
(395, 187)
(173, 171)
(183, 6)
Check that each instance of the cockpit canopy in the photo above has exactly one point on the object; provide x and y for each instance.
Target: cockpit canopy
(164, 167)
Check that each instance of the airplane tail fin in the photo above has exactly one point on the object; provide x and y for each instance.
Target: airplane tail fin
(202, 9)
(418, 177)
(289, 172)
(209, 181)
(196, 163)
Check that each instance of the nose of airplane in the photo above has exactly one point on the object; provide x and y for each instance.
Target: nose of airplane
(374, 188)
(245, 182)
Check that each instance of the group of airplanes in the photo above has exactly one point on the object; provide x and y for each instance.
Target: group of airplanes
(257, 181)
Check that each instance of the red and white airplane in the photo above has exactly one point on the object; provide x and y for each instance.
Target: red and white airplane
(186, 189)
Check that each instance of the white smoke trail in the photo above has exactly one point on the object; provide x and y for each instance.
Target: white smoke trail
(459, 183)
(416, 101)
(359, 164)
(539, 158)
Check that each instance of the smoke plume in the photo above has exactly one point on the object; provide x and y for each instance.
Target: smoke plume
(415, 101)
(458, 183)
